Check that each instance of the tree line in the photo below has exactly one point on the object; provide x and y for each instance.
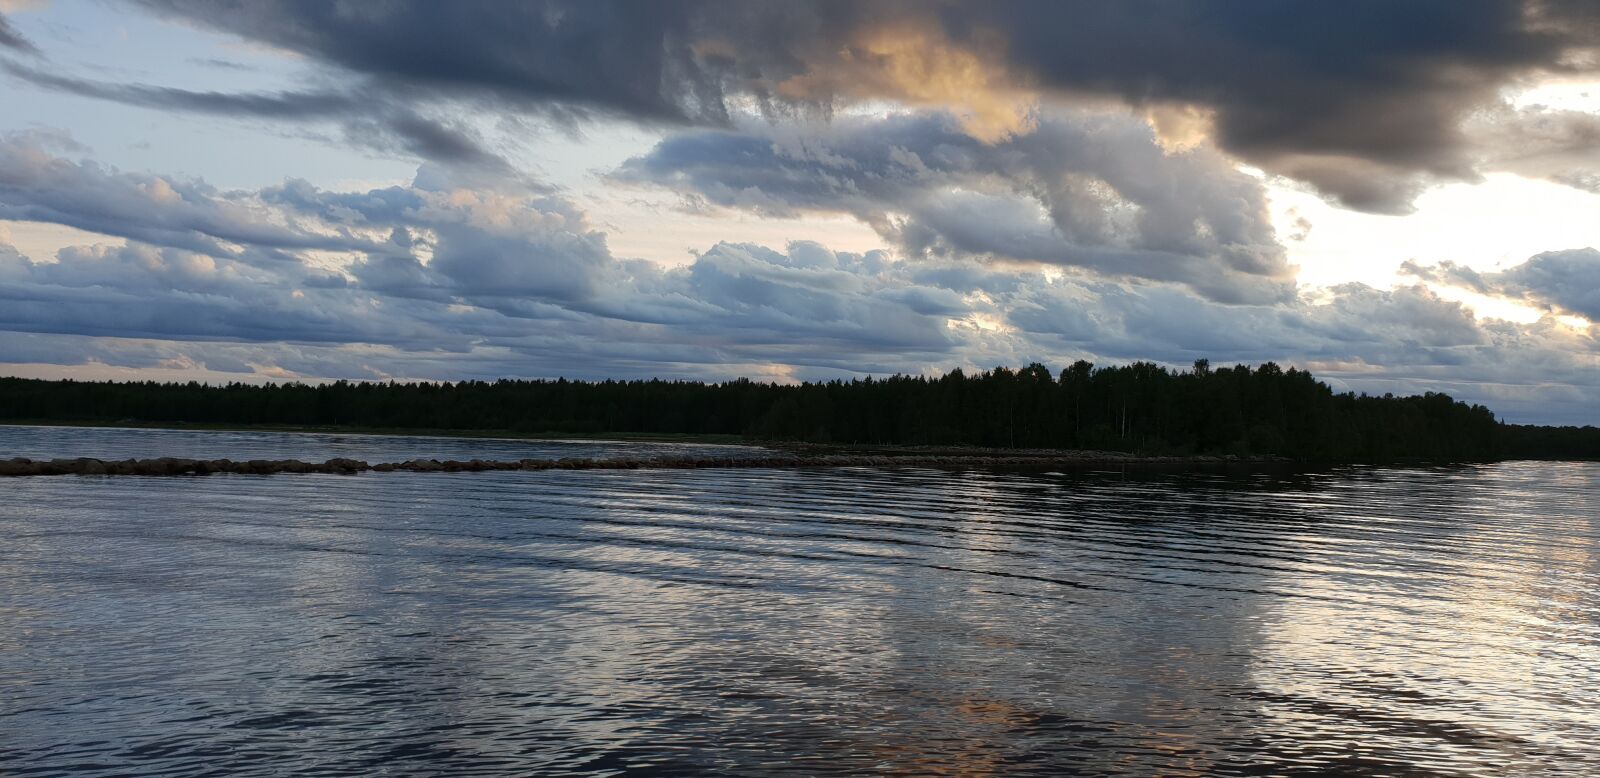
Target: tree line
(1140, 407)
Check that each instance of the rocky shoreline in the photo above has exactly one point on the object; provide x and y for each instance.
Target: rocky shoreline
(171, 466)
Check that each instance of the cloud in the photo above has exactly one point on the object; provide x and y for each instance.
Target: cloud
(1540, 142)
(448, 238)
(1309, 91)
(366, 120)
(11, 39)
(1406, 340)
(1560, 281)
(820, 299)
(1400, 327)
(1364, 100)
(434, 266)
(1089, 192)
(442, 279)
(144, 291)
(37, 184)
(617, 58)
(1565, 281)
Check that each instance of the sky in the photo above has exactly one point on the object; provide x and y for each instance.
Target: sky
(1399, 197)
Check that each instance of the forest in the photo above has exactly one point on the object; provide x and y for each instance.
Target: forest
(1140, 407)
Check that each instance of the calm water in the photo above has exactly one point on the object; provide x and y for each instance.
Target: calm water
(1437, 621)
(120, 443)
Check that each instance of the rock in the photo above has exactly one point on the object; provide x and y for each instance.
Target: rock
(344, 466)
(19, 466)
(86, 466)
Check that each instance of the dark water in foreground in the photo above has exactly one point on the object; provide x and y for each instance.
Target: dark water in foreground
(1365, 621)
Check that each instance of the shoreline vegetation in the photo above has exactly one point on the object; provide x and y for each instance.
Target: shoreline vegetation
(1140, 411)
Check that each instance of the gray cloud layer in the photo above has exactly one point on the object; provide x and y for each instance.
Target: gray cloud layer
(1096, 193)
(366, 120)
(432, 266)
(1560, 281)
(1363, 99)
(11, 39)
(440, 280)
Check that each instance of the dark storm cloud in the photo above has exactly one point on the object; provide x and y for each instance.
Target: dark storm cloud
(1363, 99)
(11, 39)
(633, 59)
(1093, 193)
(1299, 88)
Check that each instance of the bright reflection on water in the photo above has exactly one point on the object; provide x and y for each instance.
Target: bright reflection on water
(1440, 621)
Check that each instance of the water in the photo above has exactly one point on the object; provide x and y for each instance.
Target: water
(130, 443)
(1437, 621)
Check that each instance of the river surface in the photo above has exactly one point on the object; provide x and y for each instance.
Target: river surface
(1359, 621)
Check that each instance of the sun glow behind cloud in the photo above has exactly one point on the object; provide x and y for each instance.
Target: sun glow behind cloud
(1501, 221)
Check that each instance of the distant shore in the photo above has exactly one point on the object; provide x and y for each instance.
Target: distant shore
(1140, 407)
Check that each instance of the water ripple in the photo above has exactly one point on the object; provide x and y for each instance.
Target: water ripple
(1363, 621)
